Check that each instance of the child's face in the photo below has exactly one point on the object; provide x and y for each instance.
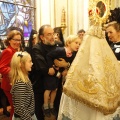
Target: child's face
(28, 64)
(75, 44)
(56, 37)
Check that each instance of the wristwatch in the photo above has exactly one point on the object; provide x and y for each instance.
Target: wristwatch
(68, 66)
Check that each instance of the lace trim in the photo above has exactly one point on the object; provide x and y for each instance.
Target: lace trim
(96, 31)
(81, 111)
(97, 107)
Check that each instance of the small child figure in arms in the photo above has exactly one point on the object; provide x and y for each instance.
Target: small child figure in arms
(68, 53)
(22, 93)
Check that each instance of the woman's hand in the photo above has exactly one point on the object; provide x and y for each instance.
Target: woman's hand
(61, 63)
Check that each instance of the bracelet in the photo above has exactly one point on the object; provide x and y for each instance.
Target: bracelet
(68, 65)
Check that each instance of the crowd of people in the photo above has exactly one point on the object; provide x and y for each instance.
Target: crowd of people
(48, 78)
(15, 74)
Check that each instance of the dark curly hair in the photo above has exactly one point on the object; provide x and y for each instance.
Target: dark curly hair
(114, 19)
(114, 15)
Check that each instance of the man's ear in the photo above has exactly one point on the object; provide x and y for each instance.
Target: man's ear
(41, 37)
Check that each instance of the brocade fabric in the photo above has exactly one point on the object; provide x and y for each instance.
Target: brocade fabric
(93, 81)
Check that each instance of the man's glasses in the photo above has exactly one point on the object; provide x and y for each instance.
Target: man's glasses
(50, 34)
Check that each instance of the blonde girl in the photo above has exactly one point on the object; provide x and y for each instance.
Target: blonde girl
(22, 93)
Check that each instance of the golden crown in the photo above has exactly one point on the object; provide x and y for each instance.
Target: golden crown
(99, 11)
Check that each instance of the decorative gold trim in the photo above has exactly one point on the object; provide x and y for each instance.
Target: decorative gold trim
(71, 17)
(94, 13)
(112, 4)
(99, 108)
(63, 20)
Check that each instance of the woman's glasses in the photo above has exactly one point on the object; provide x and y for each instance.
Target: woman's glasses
(17, 40)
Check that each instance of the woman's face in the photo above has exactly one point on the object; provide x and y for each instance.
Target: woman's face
(15, 42)
(56, 37)
(34, 41)
(113, 35)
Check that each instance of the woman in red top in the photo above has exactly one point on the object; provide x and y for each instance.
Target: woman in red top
(13, 43)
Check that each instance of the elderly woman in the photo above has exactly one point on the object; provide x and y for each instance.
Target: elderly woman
(113, 31)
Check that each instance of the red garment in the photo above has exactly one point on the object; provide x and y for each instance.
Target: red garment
(9, 96)
(5, 60)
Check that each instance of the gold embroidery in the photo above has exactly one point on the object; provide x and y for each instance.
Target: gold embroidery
(95, 80)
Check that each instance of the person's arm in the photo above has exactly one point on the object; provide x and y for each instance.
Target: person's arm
(50, 57)
(5, 59)
(61, 63)
(50, 61)
(39, 60)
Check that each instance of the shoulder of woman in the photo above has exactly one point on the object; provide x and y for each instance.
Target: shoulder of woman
(7, 51)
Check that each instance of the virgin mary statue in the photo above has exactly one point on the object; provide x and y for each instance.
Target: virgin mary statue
(92, 87)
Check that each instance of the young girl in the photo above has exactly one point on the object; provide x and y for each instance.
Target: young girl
(72, 44)
(22, 93)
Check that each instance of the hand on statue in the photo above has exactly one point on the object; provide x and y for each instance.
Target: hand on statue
(64, 73)
(51, 71)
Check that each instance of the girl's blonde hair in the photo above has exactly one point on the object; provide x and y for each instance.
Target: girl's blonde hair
(18, 71)
(70, 39)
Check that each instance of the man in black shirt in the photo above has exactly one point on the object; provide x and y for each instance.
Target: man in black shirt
(41, 69)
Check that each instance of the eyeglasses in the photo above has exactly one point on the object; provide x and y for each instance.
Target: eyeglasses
(49, 34)
(17, 40)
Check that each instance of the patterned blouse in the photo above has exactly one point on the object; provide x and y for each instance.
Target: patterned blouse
(23, 99)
